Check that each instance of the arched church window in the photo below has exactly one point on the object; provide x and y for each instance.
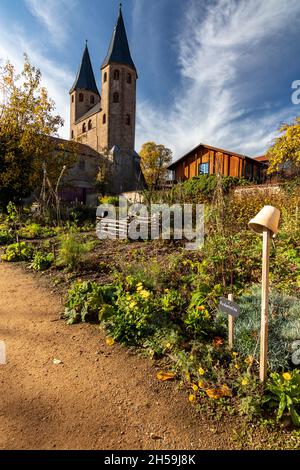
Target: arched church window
(83, 127)
(92, 99)
(105, 77)
(104, 119)
(128, 119)
(81, 97)
(116, 75)
(90, 125)
(72, 134)
(72, 98)
(129, 78)
(116, 97)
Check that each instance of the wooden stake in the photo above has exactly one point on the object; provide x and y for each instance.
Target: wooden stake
(264, 305)
(230, 325)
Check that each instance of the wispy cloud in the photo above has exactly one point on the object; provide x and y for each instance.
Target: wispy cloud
(53, 14)
(221, 49)
(14, 42)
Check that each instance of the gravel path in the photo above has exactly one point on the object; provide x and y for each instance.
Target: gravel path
(99, 397)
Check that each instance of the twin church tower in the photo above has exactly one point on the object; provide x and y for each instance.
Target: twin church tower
(107, 120)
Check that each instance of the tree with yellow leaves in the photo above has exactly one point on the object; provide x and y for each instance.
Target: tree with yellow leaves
(27, 123)
(286, 148)
(155, 159)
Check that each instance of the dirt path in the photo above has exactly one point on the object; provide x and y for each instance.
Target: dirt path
(101, 397)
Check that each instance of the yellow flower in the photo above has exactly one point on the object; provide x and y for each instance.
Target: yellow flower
(201, 384)
(235, 354)
(195, 387)
(188, 376)
(244, 381)
(144, 293)
(168, 346)
(206, 314)
(201, 371)
(139, 284)
(132, 304)
(139, 288)
(192, 398)
(287, 376)
(237, 366)
(110, 341)
(167, 290)
(249, 360)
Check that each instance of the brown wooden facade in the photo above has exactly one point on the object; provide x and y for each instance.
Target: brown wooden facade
(205, 159)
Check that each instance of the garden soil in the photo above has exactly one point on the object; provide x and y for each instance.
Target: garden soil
(63, 387)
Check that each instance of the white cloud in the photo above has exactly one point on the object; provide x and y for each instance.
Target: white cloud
(13, 43)
(220, 48)
(53, 14)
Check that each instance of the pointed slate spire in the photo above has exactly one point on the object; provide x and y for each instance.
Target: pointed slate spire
(85, 79)
(118, 51)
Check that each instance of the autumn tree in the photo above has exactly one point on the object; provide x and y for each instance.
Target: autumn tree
(28, 124)
(286, 147)
(155, 159)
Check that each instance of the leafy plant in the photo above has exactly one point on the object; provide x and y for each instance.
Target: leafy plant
(284, 326)
(42, 261)
(5, 237)
(18, 252)
(72, 250)
(136, 316)
(88, 302)
(283, 391)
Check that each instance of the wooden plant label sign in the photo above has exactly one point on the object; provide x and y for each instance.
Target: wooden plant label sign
(229, 307)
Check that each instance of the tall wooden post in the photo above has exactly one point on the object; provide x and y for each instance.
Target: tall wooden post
(230, 325)
(264, 305)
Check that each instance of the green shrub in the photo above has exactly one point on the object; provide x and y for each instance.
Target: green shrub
(114, 200)
(18, 252)
(5, 237)
(88, 302)
(72, 249)
(284, 326)
(35, 230)
(42, 261)
(283, 393)
(136, 317)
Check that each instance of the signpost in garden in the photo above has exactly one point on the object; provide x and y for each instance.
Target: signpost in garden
(265, 223)
(232, 309)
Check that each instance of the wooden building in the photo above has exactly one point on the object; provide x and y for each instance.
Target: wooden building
(207, 160)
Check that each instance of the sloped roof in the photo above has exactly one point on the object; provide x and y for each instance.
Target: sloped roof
(119, 51)
(85, 79)
(209, 147)
(95, 109)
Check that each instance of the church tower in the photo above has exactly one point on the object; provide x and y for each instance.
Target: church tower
(84, 94)
(118, 105)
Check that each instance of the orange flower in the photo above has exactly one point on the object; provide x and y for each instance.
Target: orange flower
(201, 307)
(217, 341)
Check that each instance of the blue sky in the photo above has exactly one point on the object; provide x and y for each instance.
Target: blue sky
(213, 71)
